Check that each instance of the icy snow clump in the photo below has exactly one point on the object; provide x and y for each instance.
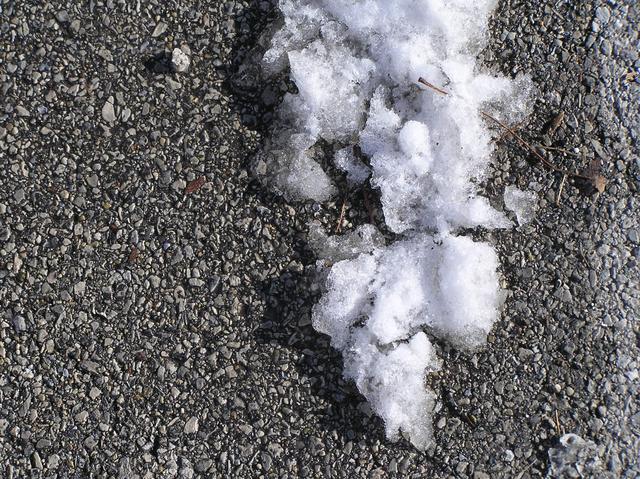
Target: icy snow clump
(356, 64)
(522, 203)
(180, 60)
(576, 457)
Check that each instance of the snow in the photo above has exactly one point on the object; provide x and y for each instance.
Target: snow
(379, 301)
(393, 382)
(357, 172)
(448, 285)
(356, 64)
(522, 203)
(576, 457)
(364, 239)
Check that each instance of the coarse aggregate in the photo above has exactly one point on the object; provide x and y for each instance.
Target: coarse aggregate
(156, 296)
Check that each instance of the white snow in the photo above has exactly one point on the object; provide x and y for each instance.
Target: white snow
(448, 285)
(356, 64)
(364, 239)
(576, 457)
(379, 301)
(522, 203)
(392, 380)
(357, 172)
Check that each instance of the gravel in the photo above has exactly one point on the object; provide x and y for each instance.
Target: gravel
(157, 298)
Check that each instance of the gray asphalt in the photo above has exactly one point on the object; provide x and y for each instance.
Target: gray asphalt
(156, 297)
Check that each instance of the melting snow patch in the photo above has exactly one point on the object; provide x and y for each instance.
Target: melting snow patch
(377, 304)
(364, 239)
(522, 203)
(574, 458)
(356, 65)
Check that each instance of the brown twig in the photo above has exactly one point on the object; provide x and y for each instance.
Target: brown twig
(533, 151)
(432, 86)
(341, 218)
(513, 133)
(506, 134)
(564, 178)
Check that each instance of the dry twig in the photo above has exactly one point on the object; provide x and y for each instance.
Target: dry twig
(341, 218)
(506, 134)
(432, 86)
(533, 151)
(564, 178)
(597, 180)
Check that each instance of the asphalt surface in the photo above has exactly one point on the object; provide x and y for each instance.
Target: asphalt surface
(156, 296)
